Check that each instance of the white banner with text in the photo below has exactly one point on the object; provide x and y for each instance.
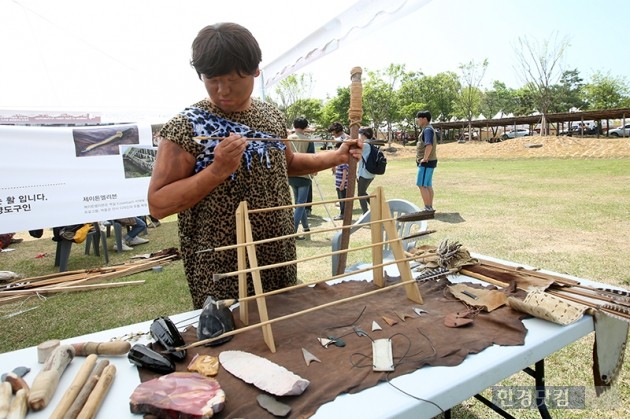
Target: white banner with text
(57, 176)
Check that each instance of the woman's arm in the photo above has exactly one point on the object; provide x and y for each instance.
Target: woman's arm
(306, 163)
(175, 187)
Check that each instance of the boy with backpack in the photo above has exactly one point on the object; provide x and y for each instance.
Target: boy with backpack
(364, 176)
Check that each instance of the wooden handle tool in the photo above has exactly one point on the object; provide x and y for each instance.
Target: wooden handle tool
(47, 380)
(77, 384)
(17, 383)
(5, 398)
(19, 405)
(118, 347)
(98, 394)
(81, 399)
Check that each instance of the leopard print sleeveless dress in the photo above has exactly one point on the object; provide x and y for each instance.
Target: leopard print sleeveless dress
(262, 182)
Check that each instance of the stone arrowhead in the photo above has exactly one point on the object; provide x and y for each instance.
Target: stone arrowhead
(389, 321)
(419, 311)
(272, 405)
(402, 316)
(309, 357)
(325, 342)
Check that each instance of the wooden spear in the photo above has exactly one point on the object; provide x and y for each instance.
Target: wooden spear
(355, 114)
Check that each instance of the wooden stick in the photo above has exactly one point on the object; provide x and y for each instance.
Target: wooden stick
(484, 278)
(97, 396)
(70, 288)
(322, 230)
(588, 294)
(75, 387)
(355, 114)
(291, 206)
(306, 259)
(297, 140)
(546, 276)
(591, 305)
(93, 275)
(117, 347)
(521, 271)
(84, 394)
(319, 281)
(292, 315)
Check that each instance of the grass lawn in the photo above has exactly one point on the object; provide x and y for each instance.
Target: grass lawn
(565, 215)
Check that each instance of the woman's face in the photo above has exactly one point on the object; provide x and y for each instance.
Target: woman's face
(231, 92)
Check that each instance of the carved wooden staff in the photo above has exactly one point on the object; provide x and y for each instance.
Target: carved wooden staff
(355, 114)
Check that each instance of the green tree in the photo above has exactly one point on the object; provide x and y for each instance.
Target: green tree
(606, 92)
(441, 92)
(311, 109)
(292, 89)
(410, 101)
(417, 92)
(380, 100)
(499, 99)
(336, 109)
(568, 93)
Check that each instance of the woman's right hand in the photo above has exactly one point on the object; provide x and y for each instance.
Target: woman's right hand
(227, 155)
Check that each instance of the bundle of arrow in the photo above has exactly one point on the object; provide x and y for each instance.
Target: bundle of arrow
(614, 302)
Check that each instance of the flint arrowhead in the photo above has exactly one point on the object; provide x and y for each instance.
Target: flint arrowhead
(309, 357)
(389, 321)
(272, 405)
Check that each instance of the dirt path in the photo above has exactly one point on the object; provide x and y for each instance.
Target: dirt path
(518, 148)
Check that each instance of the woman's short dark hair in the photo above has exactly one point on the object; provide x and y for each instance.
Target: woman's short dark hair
(424, 114)
(367, 131)
(224, 47)
(300, 122)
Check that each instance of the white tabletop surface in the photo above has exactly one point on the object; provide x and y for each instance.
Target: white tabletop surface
(445, 386)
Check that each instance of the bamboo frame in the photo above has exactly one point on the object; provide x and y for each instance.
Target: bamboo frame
(246, 255)
(246, 227)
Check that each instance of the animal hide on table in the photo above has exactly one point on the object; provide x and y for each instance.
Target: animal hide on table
(341, 370)
(611, 335)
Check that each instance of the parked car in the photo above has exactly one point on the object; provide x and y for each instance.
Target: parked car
(520, 132)
(586, 130)
(620, 131)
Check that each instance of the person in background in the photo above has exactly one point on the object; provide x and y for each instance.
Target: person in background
(364, 177)
(339, 136)
(426, 158)
(153, 222)
(131, 238)
(7, 239)
(204, 183)
(336, 129)
(302, 184)
(341, 185)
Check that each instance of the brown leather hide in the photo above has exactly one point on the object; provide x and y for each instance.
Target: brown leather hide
(342, 369)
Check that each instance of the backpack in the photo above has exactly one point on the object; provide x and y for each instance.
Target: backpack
(376, 162)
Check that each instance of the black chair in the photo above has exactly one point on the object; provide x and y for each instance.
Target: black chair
(94, 240)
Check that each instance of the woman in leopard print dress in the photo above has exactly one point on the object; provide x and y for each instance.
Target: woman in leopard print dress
(204, 182)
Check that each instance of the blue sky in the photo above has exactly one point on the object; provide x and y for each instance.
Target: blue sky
(77, 55)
